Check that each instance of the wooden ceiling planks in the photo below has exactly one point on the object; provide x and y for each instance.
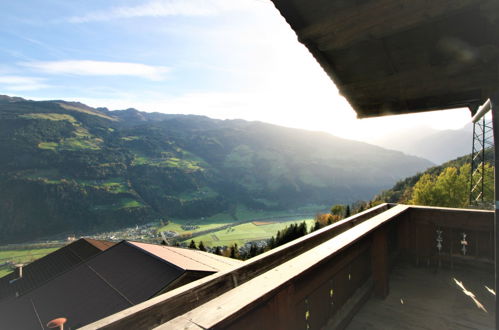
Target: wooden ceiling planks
(402, 56)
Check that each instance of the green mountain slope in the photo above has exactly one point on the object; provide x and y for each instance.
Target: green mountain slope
(69, 167)
(401, 191)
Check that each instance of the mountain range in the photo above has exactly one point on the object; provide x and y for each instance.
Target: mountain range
(438, 146)
(68, 167)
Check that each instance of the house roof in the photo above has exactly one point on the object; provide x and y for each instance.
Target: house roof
(189, 259)
(50, 266)
(124, 275)
(394, 57)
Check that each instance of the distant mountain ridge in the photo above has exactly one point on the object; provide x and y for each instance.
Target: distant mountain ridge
(67, 167)
(435, 145)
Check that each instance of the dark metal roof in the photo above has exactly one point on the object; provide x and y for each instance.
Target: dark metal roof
(123, 275)
(44, 269)
(402, 56)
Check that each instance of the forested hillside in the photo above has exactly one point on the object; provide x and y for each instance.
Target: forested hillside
(67, 167)
(445, 185)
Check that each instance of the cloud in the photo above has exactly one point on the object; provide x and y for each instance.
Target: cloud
(99, 68)
(162, 8)
(22, 83)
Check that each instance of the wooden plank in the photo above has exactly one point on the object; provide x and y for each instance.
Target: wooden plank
(379, 263)
(314, 278)
(436, 80)
(228, 307)
(342, 28)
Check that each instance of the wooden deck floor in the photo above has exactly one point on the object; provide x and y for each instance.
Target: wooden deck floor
(422, 298)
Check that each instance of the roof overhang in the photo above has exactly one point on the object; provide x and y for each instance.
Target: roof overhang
(402, 56)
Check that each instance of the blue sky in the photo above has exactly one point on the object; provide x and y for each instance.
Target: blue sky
(220, 58)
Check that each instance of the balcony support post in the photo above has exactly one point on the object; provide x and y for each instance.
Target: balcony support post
(495, 126)
(379, 262)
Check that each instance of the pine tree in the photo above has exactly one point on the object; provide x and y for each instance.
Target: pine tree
(192, 245)
(317, 225)
(347, 211)
(253, 250)
(271, 244)
(201, 246)
(218, 251)
(302, 229)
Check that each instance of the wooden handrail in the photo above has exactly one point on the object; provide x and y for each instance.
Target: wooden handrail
(220, 312)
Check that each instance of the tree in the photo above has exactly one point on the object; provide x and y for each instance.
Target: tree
(317, 225)
(347, 211)
(253, 251)
(338, 209)
(192, 245)
(218, 251)
(302, 229)
(450, 188)
(234, 252)
(423, 192)
(201, 246)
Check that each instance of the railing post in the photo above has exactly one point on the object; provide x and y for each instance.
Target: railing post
(495, 129)
(379, 262)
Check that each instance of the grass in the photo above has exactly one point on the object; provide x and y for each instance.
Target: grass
(129, 203)
(130, 138)
(244, 233)
(82, 138)
(20, 256)
(74, 108)
(240, 234)
(72, 144)
(123, 203)
(185, 164)
(48, 145)
(49, 116)
(111, 185)
(203, 224)
(52, 176)
(204, 192)
(75, 144)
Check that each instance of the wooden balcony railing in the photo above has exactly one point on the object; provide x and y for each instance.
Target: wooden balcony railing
(321, 279)
(165, 307)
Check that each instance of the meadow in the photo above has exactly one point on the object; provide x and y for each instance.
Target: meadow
(20, 256)
(239, 217)
(246, 232)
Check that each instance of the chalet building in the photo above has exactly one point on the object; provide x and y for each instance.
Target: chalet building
(93, 285)
(392, 266)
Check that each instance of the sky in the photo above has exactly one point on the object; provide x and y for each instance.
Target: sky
(223, 59)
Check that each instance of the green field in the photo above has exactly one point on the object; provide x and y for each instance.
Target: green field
(240, 232)
(244, 233)
(20, 257)
(206, 224)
